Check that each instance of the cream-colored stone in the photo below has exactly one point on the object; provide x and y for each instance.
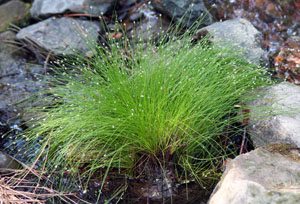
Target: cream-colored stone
(260, 177)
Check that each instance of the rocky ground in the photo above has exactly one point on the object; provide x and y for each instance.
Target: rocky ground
(265, 31)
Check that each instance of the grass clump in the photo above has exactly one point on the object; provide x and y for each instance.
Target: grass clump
(169, 102)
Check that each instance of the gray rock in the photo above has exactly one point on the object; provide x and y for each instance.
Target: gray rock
(189, 11)
(283, 102)
(262, 176)
(7, 162)
(238, 34)
(46, 8)
(18, 79)
(60, 35)
(13, 12)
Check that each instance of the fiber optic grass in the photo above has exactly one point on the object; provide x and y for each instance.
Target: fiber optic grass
(169, 102)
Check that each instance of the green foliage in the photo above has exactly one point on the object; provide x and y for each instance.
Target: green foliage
(171, 101)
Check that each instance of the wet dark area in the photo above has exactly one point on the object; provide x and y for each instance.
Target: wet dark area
(154, 185)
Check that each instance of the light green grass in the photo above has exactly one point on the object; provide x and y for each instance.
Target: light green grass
(172, 100)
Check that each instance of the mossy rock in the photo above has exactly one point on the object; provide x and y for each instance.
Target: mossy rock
(13, 12)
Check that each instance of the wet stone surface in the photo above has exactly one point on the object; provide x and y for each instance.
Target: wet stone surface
(18, 79)
(277, 20)
(188, 11)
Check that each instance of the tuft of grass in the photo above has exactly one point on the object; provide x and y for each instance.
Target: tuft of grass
(169, 101)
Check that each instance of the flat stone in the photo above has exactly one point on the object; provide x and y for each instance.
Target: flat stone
(185, 11)
(47, 8)
(60, 35)
(13, 12)
(282, 124)
(262, 176)
(237, 34)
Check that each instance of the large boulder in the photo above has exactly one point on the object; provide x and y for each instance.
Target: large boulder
(265, 175)
(13, 12)
(60, 35)
(279, 107)
(237, 34)
(185, 11)
(46, 8)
